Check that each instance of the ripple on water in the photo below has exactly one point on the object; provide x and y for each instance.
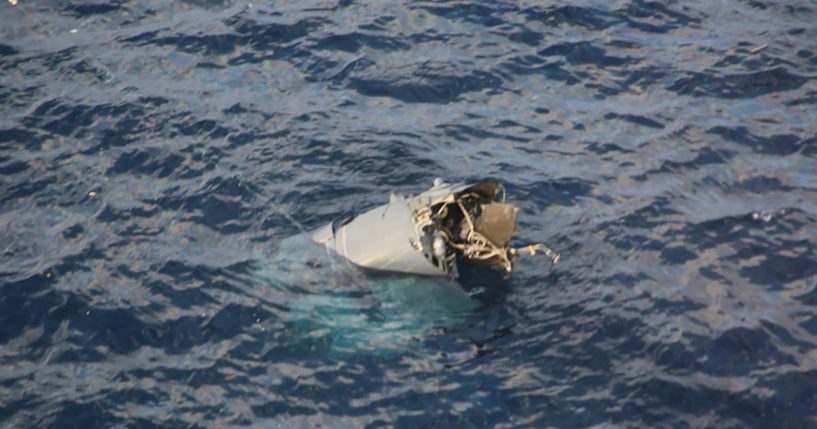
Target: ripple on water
(160, 165)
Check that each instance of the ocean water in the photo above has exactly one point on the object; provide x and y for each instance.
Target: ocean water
(160, 163)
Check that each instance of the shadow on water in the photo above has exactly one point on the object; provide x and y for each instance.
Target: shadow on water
(354, 311)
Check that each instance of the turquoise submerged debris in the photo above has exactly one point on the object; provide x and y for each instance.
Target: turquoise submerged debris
(332, 306)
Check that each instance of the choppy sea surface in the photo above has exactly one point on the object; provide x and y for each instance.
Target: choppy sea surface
(161, 161)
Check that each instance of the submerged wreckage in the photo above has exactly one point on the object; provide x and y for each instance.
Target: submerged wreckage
(429, 234)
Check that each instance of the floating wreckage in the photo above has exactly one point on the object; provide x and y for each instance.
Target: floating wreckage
(432, 233)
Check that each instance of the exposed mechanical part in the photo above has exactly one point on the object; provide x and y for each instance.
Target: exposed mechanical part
(428, 234)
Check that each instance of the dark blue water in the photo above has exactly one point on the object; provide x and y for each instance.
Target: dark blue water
(159, 162)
